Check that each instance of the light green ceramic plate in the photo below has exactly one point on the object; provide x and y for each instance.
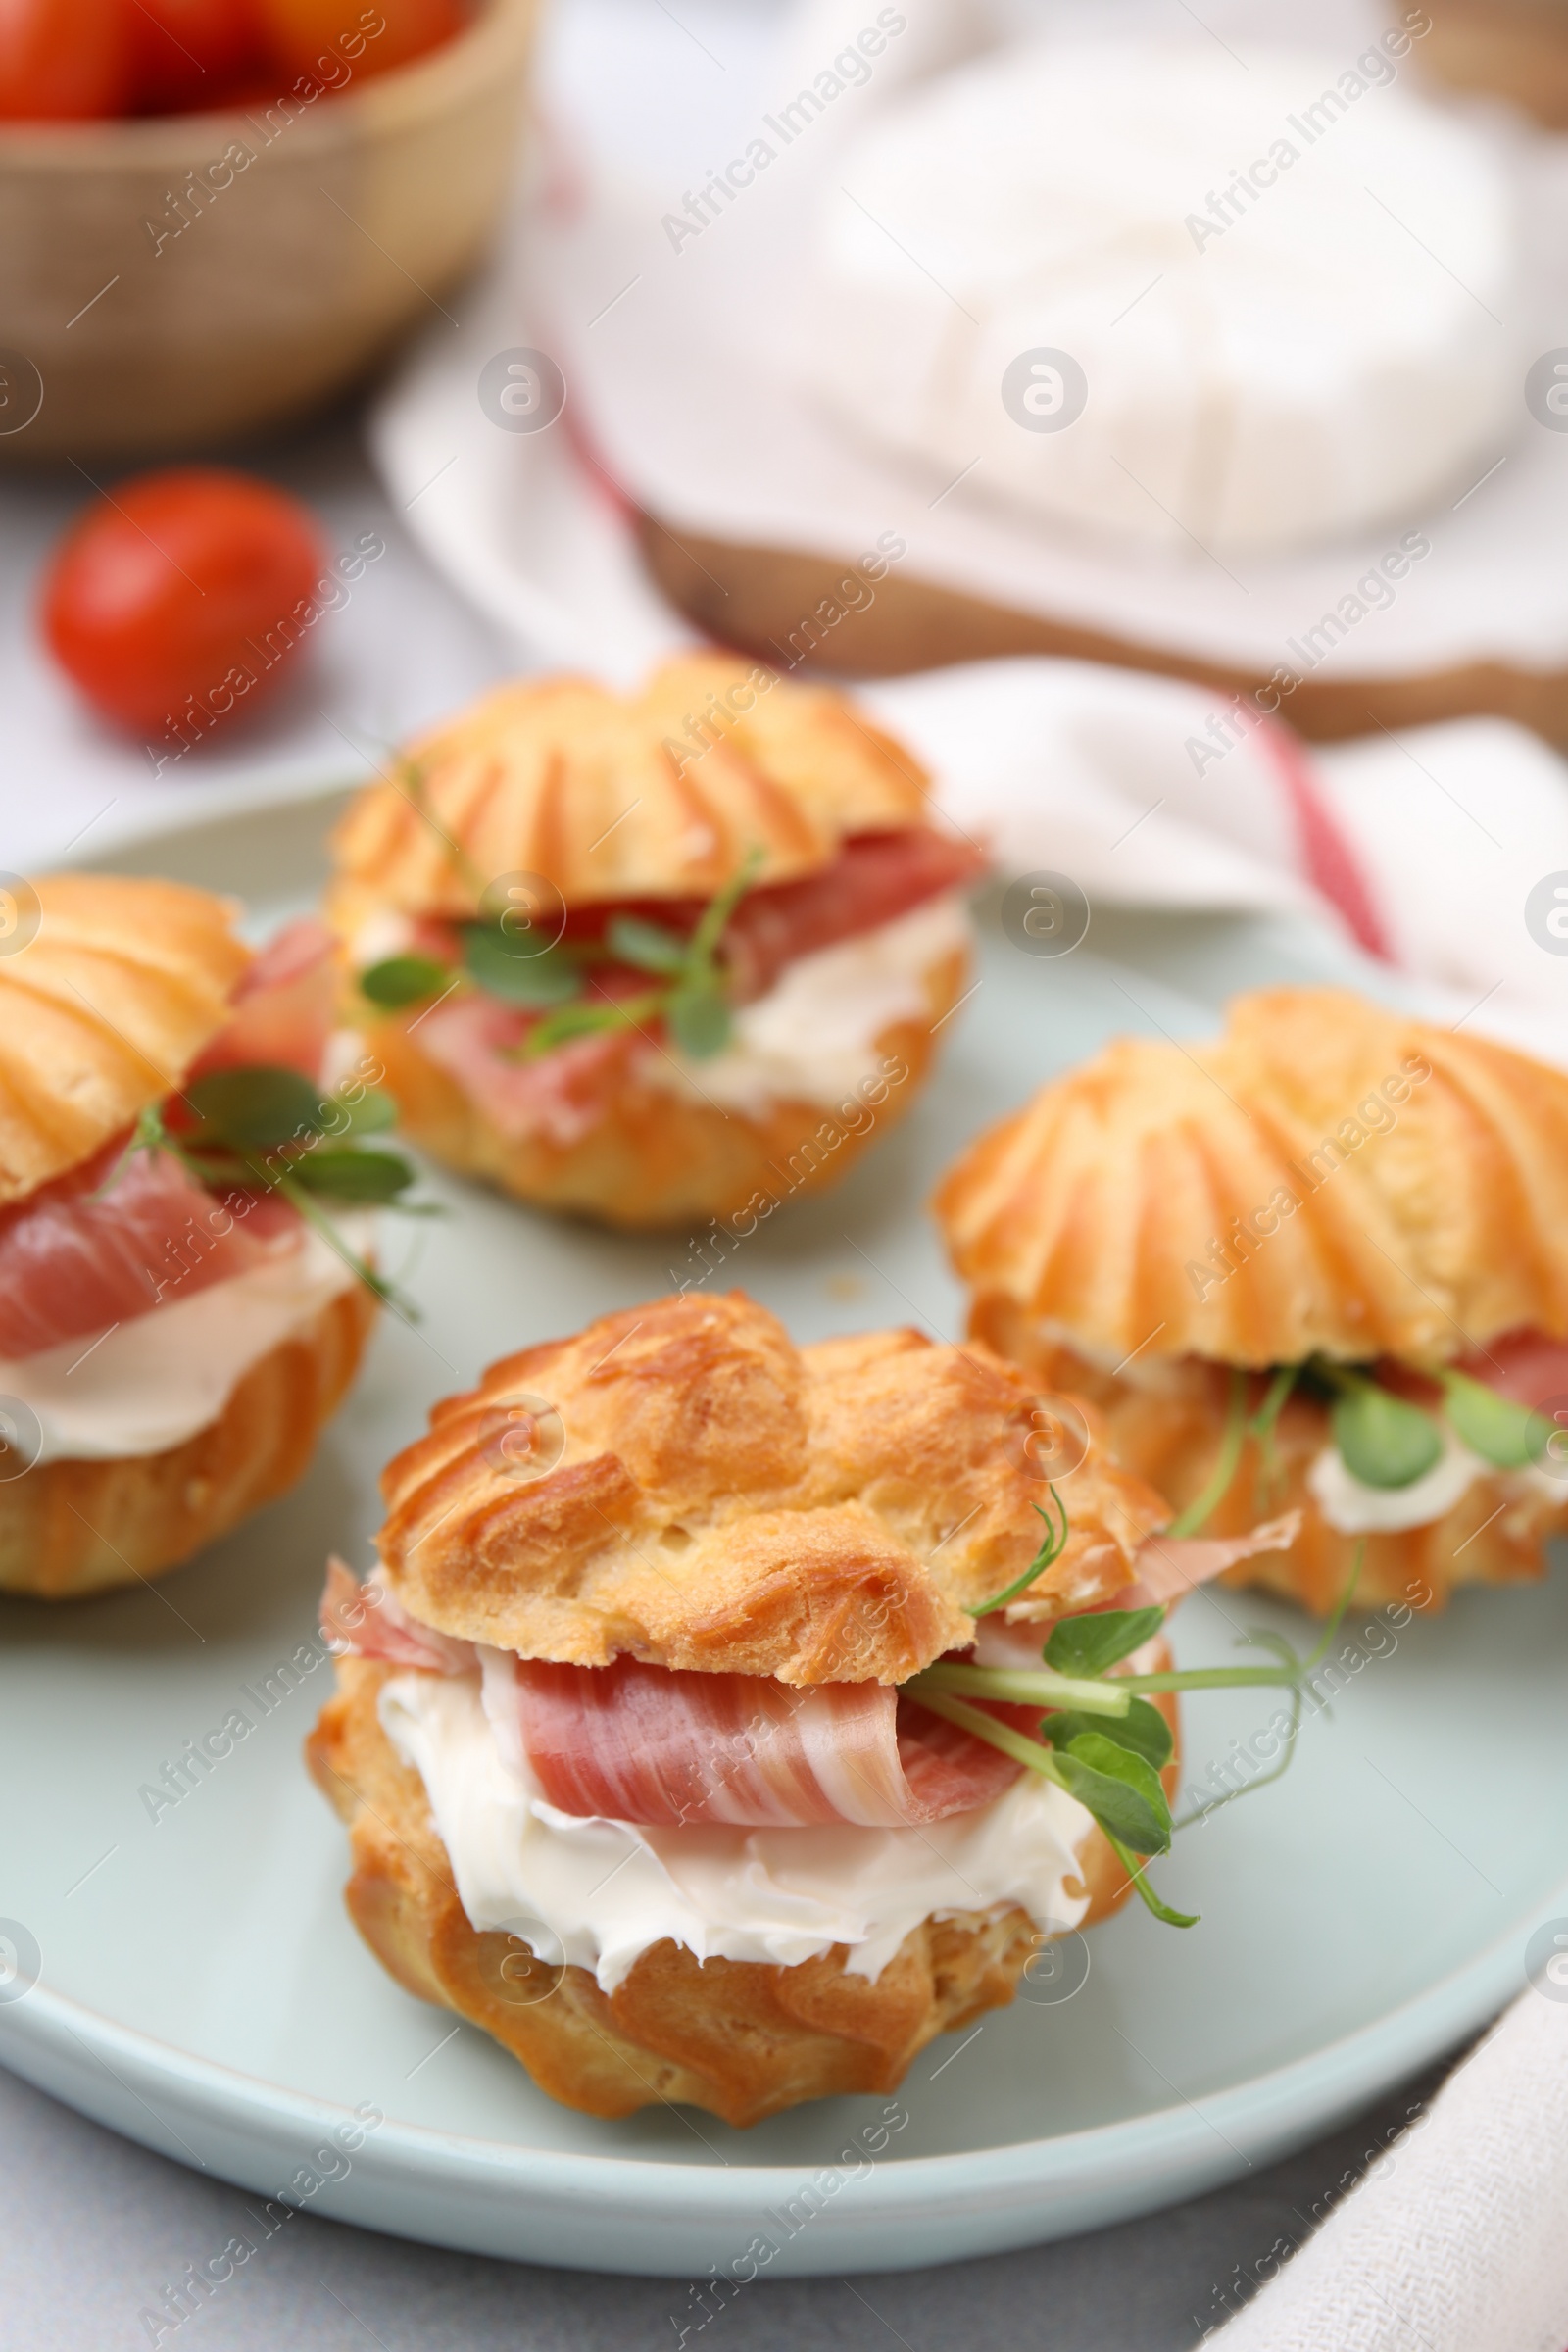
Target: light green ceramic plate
(201, 1989)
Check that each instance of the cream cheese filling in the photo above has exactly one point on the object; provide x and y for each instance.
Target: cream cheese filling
(597, 1893)
(812, 1037)
(1354, 1508)
(152, 1382)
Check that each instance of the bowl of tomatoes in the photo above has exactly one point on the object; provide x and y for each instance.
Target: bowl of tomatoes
(214, 215)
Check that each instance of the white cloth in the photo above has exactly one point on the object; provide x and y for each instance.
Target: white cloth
(1428, 844)
(1456, 2241)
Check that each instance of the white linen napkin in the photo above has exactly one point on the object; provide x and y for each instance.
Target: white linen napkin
(1438, 851)
(1456, 2241)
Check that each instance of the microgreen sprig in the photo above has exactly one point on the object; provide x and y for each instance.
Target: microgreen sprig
(1052, 1548)
(693, 996)
(1384, 1440)
(1101, 1740)
(264, 1126)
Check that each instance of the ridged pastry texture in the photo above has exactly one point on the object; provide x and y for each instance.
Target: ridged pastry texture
(652, 1158)
(70, 1528)
(681, 1484)
(610, 797)
(103, 1012)
(738, 2037)
(1298, 1187)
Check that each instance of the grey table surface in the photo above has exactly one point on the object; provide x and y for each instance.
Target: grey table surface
(95, 2228)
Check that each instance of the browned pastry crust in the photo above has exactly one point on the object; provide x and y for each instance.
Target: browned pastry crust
(1171, 1434)
(103, 1012)
(1329, 1177)
(612, 797)
(738, 2037)
(73, 1527)
(654, 1157)
(775, 601)
(713, 1498)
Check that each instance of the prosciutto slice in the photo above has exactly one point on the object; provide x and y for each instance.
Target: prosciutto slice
(475, 1038)
(72, 1263)
(644, 1743)
(369, 1622)
(874, 879)
(282, 1007)
(1170, 1565)
(1525, 1366)
(641, 1743)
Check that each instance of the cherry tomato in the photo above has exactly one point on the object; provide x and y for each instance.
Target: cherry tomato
(184, 51)
(63, 61)
(299, 31)
(182, 597)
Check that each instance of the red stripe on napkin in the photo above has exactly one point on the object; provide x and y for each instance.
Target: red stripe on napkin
(1332, 866)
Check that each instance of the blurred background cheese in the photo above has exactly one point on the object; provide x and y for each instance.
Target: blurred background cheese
(1284, 292)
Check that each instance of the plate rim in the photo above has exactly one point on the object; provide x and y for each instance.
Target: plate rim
(553, 2206)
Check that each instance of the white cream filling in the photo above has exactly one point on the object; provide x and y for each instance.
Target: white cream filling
(1354, 1508)
(155, 1379)
(812, 1038)
(597, 1893)
(381, 935)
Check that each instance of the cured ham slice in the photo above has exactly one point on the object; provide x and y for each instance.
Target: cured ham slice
(641, 1743)
(72, 1263)
(368, 1621)
(1170, 1565)
(644, 1743)
(283, 1006)
(475, 1039)
(874, 879)
(1525, 1366)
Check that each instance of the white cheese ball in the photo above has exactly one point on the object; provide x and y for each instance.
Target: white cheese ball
(1287, 299)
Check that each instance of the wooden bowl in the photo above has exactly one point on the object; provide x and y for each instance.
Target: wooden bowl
(1513, 49)
(173, 282)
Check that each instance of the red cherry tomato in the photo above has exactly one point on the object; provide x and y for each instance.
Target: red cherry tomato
(184, 51)
(370, 35)
(63, 61)
(182, 597)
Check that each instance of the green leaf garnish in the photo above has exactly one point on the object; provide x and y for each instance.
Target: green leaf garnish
(1137, 1872)
(373, 1114)
(1088, 1644)
(1101, 1741)
(694, 1003)
(244, 1112)
(1052, 1548)
(370, 1177)
(1023, 1686)
(1120, 1789)
(1265, 1422)
(400, 980)
(698, 1020)
(1143, 1728)
(1204, 1506)
(552, 976)
(1383, 1440)
(253, 1107)
(646, 947)
(1503, 1432)
(587, 1016)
